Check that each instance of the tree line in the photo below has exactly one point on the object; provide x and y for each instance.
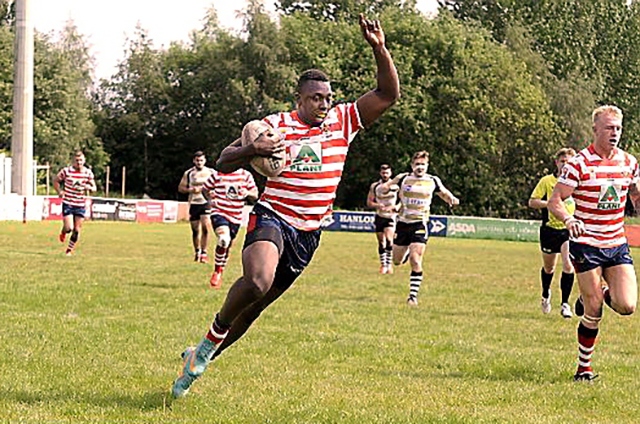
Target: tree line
(490, 88)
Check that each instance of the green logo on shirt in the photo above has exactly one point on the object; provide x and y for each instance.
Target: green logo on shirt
(609, 199)
(307, 159)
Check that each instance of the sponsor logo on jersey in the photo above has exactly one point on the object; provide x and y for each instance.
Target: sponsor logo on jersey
(306, 158)
(609, 198)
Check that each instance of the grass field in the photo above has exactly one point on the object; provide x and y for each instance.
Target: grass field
(97, 337)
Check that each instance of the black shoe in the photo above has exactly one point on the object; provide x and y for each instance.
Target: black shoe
(585, 376)
(578, 308)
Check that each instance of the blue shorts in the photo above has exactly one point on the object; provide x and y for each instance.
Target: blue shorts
(585, 257)
(221, 221)
(296, 247)
(73, 210)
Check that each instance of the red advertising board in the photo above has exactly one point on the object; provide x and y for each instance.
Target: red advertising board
(52, 208)
(149, 211)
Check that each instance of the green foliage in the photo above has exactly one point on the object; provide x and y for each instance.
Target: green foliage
(6, 85)
(62, 104)
(7, 13)
(343, 10)
(490, 130)
(590, 49)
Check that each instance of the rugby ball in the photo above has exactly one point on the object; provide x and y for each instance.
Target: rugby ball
(270, 166)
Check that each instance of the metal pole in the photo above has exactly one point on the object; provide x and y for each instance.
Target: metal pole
(146, 163)
(48, 177)
(106, 186)
(124, 179)
(22, 122)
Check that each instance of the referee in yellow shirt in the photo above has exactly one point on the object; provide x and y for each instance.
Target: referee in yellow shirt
(554, 237)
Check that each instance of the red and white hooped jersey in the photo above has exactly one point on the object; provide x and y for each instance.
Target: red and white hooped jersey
(74, 184)
(226, 193)
(305, 190)
(601, 188)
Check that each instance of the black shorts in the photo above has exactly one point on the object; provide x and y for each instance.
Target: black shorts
(221, 221)
(585, 257)
(415, 232)
(381, 223)
(551, 240)
(296, 247)
(196, 211)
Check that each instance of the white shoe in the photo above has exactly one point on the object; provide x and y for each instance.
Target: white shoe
(412, 301)
(565, 310)
(545, 305)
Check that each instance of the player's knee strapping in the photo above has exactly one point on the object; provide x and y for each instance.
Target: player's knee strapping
(224, 240)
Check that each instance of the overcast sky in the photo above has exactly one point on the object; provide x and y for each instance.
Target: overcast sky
(106, 24)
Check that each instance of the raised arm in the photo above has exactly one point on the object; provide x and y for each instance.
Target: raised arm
(372, 104)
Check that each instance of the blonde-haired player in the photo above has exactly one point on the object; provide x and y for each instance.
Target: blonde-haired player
(599, 177)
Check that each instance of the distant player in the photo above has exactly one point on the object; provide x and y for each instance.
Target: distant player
(384, 202)
(554, 237)
(72, 184)
(599, 178)
(412, 229)
(228, 193)
(191, 183)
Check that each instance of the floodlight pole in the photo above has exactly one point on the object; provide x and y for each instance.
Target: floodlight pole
(22, 126)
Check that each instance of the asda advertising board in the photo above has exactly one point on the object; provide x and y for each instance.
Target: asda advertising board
(490, 228)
